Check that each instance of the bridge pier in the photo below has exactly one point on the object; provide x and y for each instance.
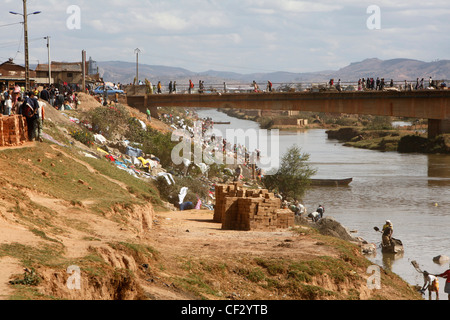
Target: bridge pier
(437, 127)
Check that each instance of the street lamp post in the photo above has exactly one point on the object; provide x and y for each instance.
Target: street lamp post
(49, 62)
(25, 31)
(137, 51)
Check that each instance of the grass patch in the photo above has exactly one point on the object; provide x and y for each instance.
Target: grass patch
(136, 250)
(30, 257)
(42, 234)
(45, 169)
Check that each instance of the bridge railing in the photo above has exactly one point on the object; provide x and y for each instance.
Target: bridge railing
(235, 87)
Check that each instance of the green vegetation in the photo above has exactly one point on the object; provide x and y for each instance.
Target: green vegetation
(84, 136)
(291, 180)
(65, 176)
(379, 123)
(108, 121)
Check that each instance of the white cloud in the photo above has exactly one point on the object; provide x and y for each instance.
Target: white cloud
(292, 6)
(260, 35)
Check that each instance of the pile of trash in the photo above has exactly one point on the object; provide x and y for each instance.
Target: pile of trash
(128, 157)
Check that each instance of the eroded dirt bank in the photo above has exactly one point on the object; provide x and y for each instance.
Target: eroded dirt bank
(62, 213)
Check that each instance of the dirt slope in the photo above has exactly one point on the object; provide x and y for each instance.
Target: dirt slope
(59, 209)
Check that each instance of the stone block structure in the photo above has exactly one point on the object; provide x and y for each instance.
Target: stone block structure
(13, 130)
(238, 208)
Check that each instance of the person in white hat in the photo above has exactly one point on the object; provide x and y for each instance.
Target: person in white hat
(388, 230)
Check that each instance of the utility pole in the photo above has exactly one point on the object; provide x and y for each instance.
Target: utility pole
(27, 63)
(83, 71)
(137, 51)
(25, 31)
(49, 62)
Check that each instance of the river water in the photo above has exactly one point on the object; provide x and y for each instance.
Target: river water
(411, 190)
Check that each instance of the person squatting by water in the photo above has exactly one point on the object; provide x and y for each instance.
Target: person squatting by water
(431, 283)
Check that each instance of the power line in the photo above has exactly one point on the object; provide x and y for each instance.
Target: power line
(10, 24)
(20, 42)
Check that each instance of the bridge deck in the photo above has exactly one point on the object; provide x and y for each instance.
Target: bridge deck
(424, 104)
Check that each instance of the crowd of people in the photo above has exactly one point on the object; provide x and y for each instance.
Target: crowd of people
(17, 101)
(31, 104)
(363, 84)
(380, 84)
(60, 97)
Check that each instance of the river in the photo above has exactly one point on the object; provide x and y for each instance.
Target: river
(411, 190)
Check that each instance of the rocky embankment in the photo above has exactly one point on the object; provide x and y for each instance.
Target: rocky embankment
(391, 140)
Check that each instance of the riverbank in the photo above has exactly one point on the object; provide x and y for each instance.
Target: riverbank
(409, 189)
(80, 210)
(404, 141)
(350, 131)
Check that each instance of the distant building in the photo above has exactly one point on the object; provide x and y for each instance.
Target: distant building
(12, 74)
(70, 73)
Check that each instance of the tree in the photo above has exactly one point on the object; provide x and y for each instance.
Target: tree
(293, 177)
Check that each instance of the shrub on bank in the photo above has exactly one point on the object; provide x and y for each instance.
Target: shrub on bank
(109, 121)
(83, 136)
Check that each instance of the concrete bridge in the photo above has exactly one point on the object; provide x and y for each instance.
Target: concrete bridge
(433, 105)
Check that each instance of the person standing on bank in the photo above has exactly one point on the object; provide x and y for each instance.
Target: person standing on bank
(446, 275)
(8, 106)
(40, 121)
(30, 109)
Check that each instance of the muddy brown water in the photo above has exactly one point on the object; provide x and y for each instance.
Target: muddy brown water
(411, 190)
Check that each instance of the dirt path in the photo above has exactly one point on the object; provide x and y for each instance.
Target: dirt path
(8, 266)
(195, 233)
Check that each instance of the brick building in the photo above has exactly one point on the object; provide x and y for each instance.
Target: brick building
(12, 74)
(66, 72)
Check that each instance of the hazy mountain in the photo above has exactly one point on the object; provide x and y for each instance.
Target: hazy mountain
(397, 69)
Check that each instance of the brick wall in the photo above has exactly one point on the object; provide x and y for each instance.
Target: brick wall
(238, 208)
(13, 130)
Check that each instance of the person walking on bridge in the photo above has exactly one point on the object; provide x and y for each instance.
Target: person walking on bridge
(159, 87)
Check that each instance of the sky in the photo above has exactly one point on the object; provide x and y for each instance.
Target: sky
(244, 36)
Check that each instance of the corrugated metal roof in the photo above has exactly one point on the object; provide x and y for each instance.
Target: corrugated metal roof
(61, 67)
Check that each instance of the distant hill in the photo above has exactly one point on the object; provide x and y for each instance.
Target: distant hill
(397, 69)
